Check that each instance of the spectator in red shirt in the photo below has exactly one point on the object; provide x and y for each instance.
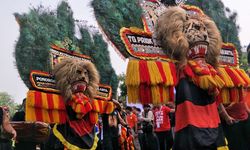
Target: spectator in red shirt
(162, 126)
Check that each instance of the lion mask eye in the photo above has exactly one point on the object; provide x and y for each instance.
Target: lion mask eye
(78, 71)
(197, 27)
(85, 72)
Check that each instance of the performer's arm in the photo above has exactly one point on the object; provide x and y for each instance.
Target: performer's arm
(150, 117)
(223, 113)
(247, 108)
(7, 126)
(121, 120)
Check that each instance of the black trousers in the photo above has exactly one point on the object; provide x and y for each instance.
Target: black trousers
(238, 135)
(165, 139)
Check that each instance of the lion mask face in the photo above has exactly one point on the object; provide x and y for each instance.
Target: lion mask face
(177, 32)
(74, 76)
(195, 31)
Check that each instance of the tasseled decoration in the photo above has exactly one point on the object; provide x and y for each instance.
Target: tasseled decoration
(235, 81)
(133, 81)
(93, 117)
(45, 107)
(132, 75)
(156, 97)
(154, 73)
(225, 96)
(80, 103)
(161, 71)
(244, 76)
(169, 73)
(235, 77)
(145, 89)
(204, 76)
(102, 106)
(133, 94)
(149, 81)
(226, 78)
(173, 73)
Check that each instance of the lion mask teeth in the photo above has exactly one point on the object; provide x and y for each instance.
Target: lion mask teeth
(79, 86)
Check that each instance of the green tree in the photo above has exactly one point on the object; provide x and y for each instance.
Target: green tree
(66, 23)
(41, 27)
(122, 87)
(112, 15)
(102, 60)
(7, 100)
(243, 61)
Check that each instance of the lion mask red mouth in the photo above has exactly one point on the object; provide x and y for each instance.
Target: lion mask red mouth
(78, 86)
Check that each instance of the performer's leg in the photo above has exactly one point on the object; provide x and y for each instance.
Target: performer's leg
(162, 139)
(169, 139)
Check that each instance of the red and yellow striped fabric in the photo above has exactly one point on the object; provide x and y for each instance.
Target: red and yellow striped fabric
(103, 107)
(130, 143)
(150, 81)
(50, 108)
(123, 138)
(236, 81)
(45, 107)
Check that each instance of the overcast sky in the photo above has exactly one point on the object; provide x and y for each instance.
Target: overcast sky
(10, 81)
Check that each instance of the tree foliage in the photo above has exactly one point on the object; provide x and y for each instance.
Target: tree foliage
(7, 100)
(40, 27)
(112, 15)
(97, 48)
(122, 87)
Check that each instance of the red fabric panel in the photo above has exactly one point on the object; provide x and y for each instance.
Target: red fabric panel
(81, 127)
(171, 94)
(173, 71)
(144, 89)
(38, 102)
(50, 106)
(199, 116)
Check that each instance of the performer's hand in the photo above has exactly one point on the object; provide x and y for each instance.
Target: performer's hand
(118, 105)
(14, 134)
(229, 120)
(7, 126)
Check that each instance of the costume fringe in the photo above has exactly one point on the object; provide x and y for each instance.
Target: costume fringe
(133, 94)
(204, 76)
(154, 73)
(45, 107)
(156, 98)
(149, 81)
(169, 71)
(132, 75)
(50, 108)
(226, 78)
(235, 81)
